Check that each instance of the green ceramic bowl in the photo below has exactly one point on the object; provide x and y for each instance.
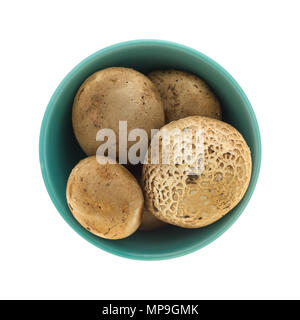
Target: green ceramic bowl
(59, 150)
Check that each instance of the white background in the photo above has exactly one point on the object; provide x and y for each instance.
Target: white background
(257, 42)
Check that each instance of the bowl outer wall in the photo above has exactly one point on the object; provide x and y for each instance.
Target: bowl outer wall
(59, 151)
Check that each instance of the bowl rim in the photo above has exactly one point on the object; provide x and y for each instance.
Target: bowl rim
(52, 192)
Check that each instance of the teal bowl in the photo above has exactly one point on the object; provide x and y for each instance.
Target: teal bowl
(59, 150)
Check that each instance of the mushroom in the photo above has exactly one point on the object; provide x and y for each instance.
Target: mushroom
(177, 195)
(112, 95)
(105, 198)
(184, 94)
(149, 221)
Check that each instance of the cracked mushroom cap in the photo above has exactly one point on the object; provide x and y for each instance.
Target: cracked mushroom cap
(184, 94)
(105, 198)
(177, 196)
(112, 95)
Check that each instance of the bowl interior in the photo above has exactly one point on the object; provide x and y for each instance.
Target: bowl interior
(59, 151)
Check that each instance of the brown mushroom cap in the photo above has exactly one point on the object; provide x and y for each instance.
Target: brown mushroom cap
(105, 198)
(193, 201)
(184, 94)
(111, 95)
(150, 222)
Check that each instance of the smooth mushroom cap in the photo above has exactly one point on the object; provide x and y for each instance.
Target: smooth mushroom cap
(112, 95)
(105, 198)
(184, 94)
(150, 222)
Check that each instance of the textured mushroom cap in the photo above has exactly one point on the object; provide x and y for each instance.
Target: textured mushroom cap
(105, 198)
(184, 94)
(114, 94)
(175, 196)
